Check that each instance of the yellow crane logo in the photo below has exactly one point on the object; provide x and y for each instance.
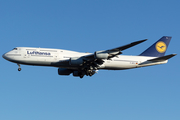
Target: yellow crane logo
(161, 47)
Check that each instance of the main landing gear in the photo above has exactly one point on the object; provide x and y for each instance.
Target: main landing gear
(19, 69)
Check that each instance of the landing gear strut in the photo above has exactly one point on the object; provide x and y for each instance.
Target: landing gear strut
(19, 69)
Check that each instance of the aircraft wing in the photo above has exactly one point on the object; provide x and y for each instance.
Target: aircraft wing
(106, 54)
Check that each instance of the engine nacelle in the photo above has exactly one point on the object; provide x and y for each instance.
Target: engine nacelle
(64, 71)
(76, 61)
(101, 55)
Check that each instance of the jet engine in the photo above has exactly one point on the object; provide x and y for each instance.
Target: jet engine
(76, 61)
(100, 55)
(64, 71)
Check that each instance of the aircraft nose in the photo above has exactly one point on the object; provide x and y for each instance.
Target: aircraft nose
(4, 56)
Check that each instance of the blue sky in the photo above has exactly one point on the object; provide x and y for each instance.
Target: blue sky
(38, 93)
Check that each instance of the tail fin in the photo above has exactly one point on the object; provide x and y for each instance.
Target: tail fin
(158, 49)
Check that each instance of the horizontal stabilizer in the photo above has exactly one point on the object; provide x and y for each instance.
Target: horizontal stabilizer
(159, 59)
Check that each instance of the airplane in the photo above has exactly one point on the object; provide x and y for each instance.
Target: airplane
(80, 64)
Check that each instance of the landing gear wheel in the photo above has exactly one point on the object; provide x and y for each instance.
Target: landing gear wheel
(19, 69)
(81, 76)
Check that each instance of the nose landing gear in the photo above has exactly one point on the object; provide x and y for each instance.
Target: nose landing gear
(19, 69)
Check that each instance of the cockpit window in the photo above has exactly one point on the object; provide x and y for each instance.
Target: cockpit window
(15, 49)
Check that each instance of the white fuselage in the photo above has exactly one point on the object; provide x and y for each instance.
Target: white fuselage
(60, 58)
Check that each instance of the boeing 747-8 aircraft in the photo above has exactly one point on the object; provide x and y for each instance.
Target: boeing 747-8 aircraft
(80, 64)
